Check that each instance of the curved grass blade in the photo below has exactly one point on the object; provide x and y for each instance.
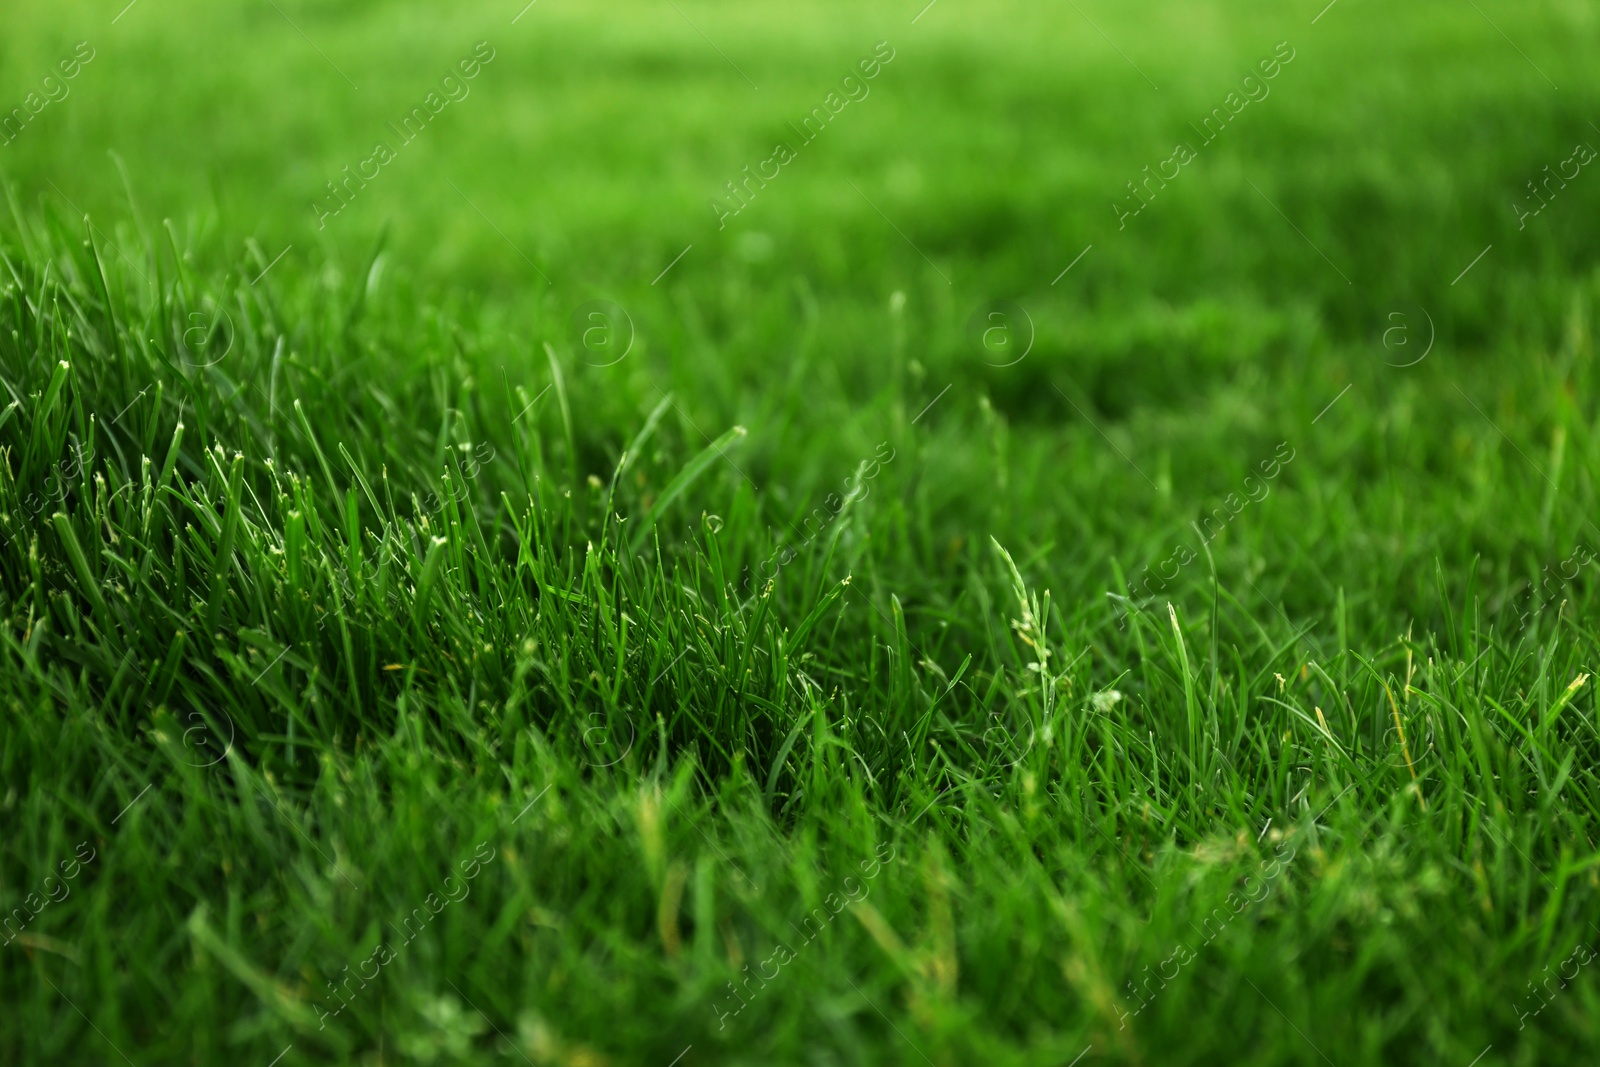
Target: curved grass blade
(685, 478)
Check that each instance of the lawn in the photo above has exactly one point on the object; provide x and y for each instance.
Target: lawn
(686, 533)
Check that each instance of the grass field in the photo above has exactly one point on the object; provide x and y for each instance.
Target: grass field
(691, 533)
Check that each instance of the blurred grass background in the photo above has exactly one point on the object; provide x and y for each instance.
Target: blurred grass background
(985, 159)
(995, 140)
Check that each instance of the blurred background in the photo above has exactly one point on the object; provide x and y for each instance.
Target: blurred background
(995, 141)
(1386, 169)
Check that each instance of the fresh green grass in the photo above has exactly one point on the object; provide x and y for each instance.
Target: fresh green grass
(804, 685)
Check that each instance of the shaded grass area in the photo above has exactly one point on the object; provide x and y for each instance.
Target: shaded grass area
(402, 678)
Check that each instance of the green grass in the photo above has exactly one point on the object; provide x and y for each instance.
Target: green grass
(809, 683)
